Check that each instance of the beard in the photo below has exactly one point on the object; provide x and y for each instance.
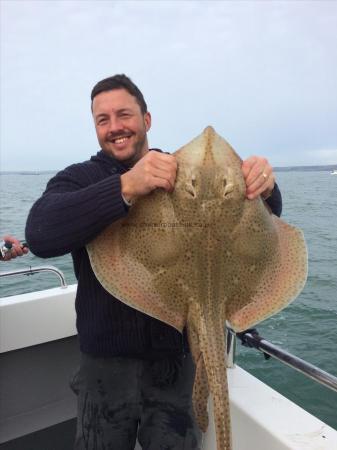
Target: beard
(137, 150)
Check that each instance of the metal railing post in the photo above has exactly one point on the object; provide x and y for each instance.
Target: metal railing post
(311, 371)
(34, 270)
(231, 347)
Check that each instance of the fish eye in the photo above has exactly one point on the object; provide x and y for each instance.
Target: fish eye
(228, 186)
(190, 187)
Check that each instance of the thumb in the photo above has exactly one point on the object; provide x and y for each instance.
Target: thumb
(245, 167)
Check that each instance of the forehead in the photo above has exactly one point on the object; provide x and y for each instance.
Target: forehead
(111, 101)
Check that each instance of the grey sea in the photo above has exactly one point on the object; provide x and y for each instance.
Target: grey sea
(306, 328)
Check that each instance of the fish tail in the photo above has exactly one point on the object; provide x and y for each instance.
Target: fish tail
(200, 395)
(213, 353)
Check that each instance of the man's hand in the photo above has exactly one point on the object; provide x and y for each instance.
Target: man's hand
(259, 177)
(12, 248)
(154, 170)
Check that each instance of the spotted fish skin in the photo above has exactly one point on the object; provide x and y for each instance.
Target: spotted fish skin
(214, 192)
(200, 256)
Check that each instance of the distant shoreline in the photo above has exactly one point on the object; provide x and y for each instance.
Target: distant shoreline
(27, 172)
(325, 168)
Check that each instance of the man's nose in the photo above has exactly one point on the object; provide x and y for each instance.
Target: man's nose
(115, 124)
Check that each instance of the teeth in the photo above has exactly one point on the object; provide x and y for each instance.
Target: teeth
(120, 140)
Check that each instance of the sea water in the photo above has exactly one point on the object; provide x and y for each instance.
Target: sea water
(306, 328)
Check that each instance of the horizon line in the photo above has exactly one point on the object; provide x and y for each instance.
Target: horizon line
(34, 171)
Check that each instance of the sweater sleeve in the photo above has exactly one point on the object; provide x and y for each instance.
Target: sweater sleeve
(72, 211)
(275, 201)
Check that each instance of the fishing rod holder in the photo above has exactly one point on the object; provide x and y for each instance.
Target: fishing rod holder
(251, 338)
(34, 270)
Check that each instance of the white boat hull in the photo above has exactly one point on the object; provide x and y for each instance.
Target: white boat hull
(261, 417)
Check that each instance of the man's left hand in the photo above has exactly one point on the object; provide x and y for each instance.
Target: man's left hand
(259, 177)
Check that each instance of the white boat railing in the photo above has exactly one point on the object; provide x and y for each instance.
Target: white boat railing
(34, 270)
(251, 338)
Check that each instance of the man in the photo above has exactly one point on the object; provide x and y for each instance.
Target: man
(136, 372)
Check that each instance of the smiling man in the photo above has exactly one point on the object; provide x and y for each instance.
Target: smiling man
(121, 124)
(136, 372)
(122, 121)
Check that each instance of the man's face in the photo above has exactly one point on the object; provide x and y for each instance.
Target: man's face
(120, 125)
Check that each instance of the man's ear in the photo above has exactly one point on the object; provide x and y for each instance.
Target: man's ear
(147, 120)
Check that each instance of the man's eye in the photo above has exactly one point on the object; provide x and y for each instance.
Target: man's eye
(125, 115)
(102, 121)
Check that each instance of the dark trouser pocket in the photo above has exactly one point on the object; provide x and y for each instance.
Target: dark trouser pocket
(74, 382)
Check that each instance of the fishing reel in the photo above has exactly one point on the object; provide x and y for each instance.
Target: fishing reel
(6, 247)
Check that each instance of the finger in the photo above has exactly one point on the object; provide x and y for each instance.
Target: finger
(268, 185)
(257, 192)
(166, 174)
(158, 156)
(257, 169)
(156, 180)
(163, 184)
(18, 250)
(248, 164)
(252, 166)
(171, 182)
(262, 179)
(11, 239)
(159, 168)
(168, 164)
(10, 255)
(153, 164)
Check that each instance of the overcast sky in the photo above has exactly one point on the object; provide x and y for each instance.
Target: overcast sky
(263, 73)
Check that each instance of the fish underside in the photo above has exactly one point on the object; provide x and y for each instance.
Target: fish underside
(200, 256)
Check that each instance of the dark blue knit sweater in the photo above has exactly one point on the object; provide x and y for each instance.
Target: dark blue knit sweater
(79, 202)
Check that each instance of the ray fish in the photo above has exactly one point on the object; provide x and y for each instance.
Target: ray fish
(200, 256)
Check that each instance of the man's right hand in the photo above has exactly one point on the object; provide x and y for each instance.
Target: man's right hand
(154, 170)
(11, 248)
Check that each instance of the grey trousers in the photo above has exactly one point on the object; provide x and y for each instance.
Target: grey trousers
(118, 401)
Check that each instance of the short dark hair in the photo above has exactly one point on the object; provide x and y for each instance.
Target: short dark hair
(119, 81)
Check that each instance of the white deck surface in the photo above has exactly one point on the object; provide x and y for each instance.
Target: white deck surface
(265, 420)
